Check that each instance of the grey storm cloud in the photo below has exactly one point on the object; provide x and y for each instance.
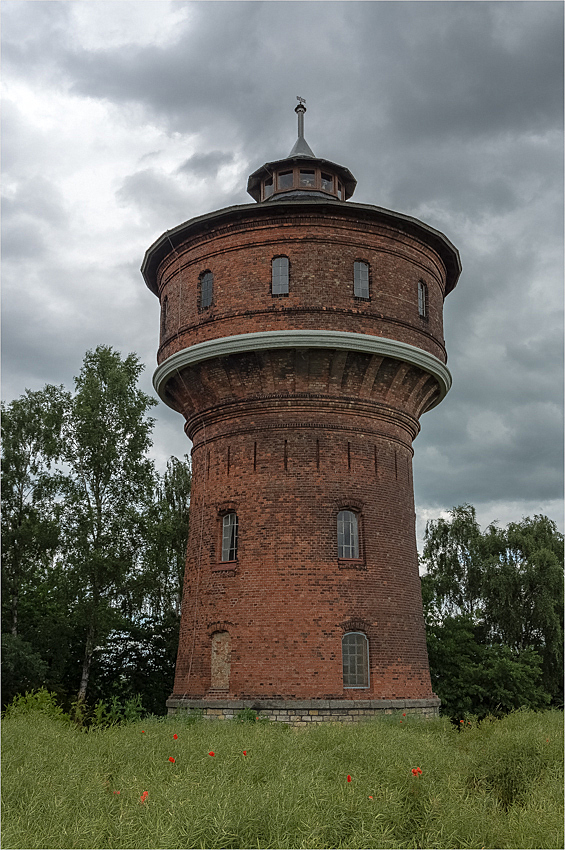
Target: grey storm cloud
(448, 111)
(205, 164)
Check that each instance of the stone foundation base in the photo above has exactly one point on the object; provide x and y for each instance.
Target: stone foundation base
(304, 712)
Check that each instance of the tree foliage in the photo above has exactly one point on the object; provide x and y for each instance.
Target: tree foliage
(93, 539)
(494, 612)
(31, 427)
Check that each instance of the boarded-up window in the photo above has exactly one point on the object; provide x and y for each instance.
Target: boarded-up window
(221, 661)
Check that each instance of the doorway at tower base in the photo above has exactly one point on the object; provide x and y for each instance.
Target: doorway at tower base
(303, 712)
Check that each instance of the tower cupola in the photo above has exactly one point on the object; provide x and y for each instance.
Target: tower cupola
(302, 174)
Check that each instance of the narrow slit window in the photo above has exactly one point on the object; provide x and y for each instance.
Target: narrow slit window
(229, 537)
(355, 654)
(347, 535)
(164, 310)
(268, 187)
(361, 280)
(280, 276)
(422, 299)
(206, 289)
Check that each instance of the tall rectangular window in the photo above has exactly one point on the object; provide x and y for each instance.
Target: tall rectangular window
(279, 276)
(347, 535)
(355, 655)
(229, 537)
(361, 280)
(206, 289)
(422, 299)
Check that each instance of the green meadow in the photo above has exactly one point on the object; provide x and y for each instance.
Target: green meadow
(494, 784)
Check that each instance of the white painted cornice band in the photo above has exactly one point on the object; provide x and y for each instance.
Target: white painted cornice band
(265, 340)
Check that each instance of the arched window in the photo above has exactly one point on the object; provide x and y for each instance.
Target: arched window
(206, 289)
(347, 535)
(279, 279)
(422, 299)
(355, 654)
(361, 280)
(229, 537)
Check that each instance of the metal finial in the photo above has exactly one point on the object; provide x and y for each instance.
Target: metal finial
(300, 110)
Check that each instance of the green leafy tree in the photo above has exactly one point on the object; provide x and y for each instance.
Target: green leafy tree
(108, 488)
(472, 676)
(454, 556)
(494, 612)
(165, 555)
(23, 669)
(140, 657)
(523, 593)
(31, 431)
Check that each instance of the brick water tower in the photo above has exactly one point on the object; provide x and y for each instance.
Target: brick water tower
(301, 339)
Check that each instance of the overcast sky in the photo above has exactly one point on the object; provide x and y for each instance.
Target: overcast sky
(124, 119)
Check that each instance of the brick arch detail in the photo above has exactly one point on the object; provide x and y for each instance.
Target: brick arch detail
(356, 625)
(348, 504)
(221, 626)
(226, 508)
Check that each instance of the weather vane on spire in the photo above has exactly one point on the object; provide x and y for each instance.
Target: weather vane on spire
(301, 99)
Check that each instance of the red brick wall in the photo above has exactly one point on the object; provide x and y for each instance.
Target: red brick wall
(321, 253)
(287, 438)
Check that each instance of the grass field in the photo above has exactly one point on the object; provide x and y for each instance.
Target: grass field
(495, 785)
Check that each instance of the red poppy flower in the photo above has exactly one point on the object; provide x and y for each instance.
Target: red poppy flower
(370, 798)
(348, 778)
(404, 715)
(143, 731)
(171, 758)
(175, 736)
(245, 752)
(461, 721)
(211, 753)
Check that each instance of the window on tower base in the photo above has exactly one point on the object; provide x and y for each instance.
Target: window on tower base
(355, 654)
(229, 537)
(347, 535)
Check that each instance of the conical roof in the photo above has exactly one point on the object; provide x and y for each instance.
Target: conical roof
(302, 148)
